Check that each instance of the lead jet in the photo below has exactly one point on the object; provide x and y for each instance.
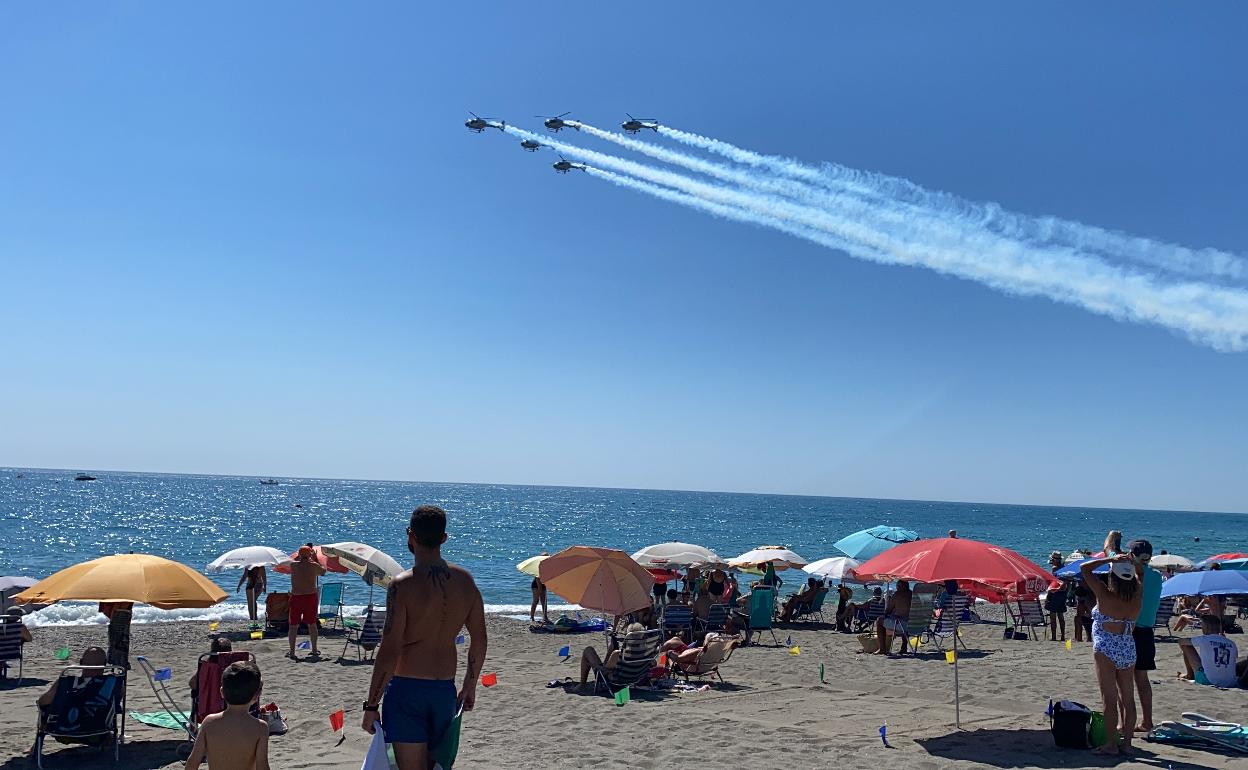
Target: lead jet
(556, 123)
(634, 125)
(564, 165)
(478, 124)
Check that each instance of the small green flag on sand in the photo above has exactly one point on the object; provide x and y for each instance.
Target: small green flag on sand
(62, 653)
(622, 697)
(821, 679)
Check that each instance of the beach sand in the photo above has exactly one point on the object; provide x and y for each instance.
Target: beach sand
(773, 711)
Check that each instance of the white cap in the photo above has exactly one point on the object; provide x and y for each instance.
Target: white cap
(1124, 570)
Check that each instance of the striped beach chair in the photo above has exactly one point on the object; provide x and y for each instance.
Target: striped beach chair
(1165, 614)
(1029, 616)
(678, 619)
(639, 652)
(868, 613)
(11, 644)
(367, 637)
(716, 618)
(944, 626)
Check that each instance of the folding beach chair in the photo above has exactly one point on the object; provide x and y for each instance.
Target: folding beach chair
(945, 624)
(866, 615)
(917, 621)
(206, 698)
(1030, 616)
(678, 618)
(716, 618)
(761, 612)
(638, 654)
(711, 655)
(331, 603)
(814, 609)
(88, 706)
(11, 644)
(1198, 730)
(276, 612)
(1165, 614)
(367, 636)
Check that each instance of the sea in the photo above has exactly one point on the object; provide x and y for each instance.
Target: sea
(49, 521)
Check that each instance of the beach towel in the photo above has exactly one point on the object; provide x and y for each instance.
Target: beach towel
(446, 750)
(165, 719)
(376, 758)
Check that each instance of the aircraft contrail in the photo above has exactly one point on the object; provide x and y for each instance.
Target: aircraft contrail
(1046, 230)
(1210, 314)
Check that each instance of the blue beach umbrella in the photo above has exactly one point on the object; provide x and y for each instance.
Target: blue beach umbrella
(1209, 583)
(1071, 571)
(870, 543)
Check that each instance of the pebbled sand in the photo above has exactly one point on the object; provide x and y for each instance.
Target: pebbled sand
(773, 712)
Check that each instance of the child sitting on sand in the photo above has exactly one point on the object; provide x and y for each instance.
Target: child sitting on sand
(238, 740)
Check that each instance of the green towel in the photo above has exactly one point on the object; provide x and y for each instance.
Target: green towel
(165, 719)
(444, 753)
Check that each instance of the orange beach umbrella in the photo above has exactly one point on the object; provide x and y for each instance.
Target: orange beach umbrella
(602, 579)
(127, 577)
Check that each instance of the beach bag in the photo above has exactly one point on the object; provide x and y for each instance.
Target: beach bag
(1070, 723)
(272, 716)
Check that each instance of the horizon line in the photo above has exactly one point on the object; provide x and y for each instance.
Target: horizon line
(621, 489)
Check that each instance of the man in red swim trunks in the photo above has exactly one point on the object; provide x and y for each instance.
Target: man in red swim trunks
(304, 601)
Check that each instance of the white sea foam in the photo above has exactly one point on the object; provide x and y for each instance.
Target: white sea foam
(88, 614)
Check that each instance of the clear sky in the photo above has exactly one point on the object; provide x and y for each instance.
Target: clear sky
(257, 239)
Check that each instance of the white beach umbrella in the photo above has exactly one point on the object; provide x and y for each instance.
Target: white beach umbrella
(373, 564)
(777, 556)
(248, 556)
(676, 555)
(1171, 561)
(833, 568)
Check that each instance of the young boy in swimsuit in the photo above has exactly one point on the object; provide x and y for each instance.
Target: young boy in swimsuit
(236, 739)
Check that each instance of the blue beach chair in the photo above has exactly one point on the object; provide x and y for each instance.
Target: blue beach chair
(331, 603)
(760, 613)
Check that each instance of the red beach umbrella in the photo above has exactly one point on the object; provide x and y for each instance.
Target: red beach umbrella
(957, 558)
(330, 563)
(1226, 557)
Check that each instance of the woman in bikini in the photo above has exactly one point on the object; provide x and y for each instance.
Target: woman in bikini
(1118, 603)
(257, 584)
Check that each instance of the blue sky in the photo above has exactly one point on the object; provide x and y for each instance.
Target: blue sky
(237, 239)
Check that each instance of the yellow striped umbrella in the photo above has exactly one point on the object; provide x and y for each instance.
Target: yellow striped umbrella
(602, 579)
(127, 577)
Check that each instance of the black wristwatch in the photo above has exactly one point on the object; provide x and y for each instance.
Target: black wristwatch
(366, 706)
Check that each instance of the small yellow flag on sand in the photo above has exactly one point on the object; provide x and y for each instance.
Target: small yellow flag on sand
(950, 656)
(257, 634)
(915, 641)
(795, 650)
(214, 625)
(1068, 645)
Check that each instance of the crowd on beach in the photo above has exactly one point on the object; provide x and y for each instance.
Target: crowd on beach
(693, 623)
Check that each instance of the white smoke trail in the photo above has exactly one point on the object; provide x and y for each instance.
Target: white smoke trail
(1214, 315)
(1045, 230)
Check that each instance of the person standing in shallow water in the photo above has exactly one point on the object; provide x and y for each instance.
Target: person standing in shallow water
(257, 584)
(426, 607)
(538, 588)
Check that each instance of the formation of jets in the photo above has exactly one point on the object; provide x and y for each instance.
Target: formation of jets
(555, 124)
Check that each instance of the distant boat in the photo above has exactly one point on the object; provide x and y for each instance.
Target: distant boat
(269, 482)
(84, 477)
(21, 475)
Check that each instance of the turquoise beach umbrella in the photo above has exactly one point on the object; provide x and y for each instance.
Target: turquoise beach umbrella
(870, 543)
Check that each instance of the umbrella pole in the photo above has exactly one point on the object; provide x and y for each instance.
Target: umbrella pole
(957, 693)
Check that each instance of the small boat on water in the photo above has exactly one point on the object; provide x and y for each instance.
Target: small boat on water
(269, 482)
(84, 477)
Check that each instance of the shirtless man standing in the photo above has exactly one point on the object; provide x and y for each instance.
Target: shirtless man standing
(304, 601)
(426, 607)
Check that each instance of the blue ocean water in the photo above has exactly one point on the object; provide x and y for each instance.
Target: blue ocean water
(49, 521)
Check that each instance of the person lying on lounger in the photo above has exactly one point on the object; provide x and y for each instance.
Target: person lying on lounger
(682, 657)
(800, 600)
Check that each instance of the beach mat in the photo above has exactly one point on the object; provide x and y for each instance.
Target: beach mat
(165, 719)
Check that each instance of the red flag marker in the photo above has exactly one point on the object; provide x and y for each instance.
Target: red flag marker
(489, 680)
(336, 721)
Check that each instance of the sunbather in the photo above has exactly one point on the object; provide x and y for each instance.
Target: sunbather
(92, 662)
(1210, 657)
(801, 599)
(1205, 605)
(893, 622)
(843, 616)
(236, 738)
(852, 608)
(590, 659)
(683, 657)
(219, 644)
